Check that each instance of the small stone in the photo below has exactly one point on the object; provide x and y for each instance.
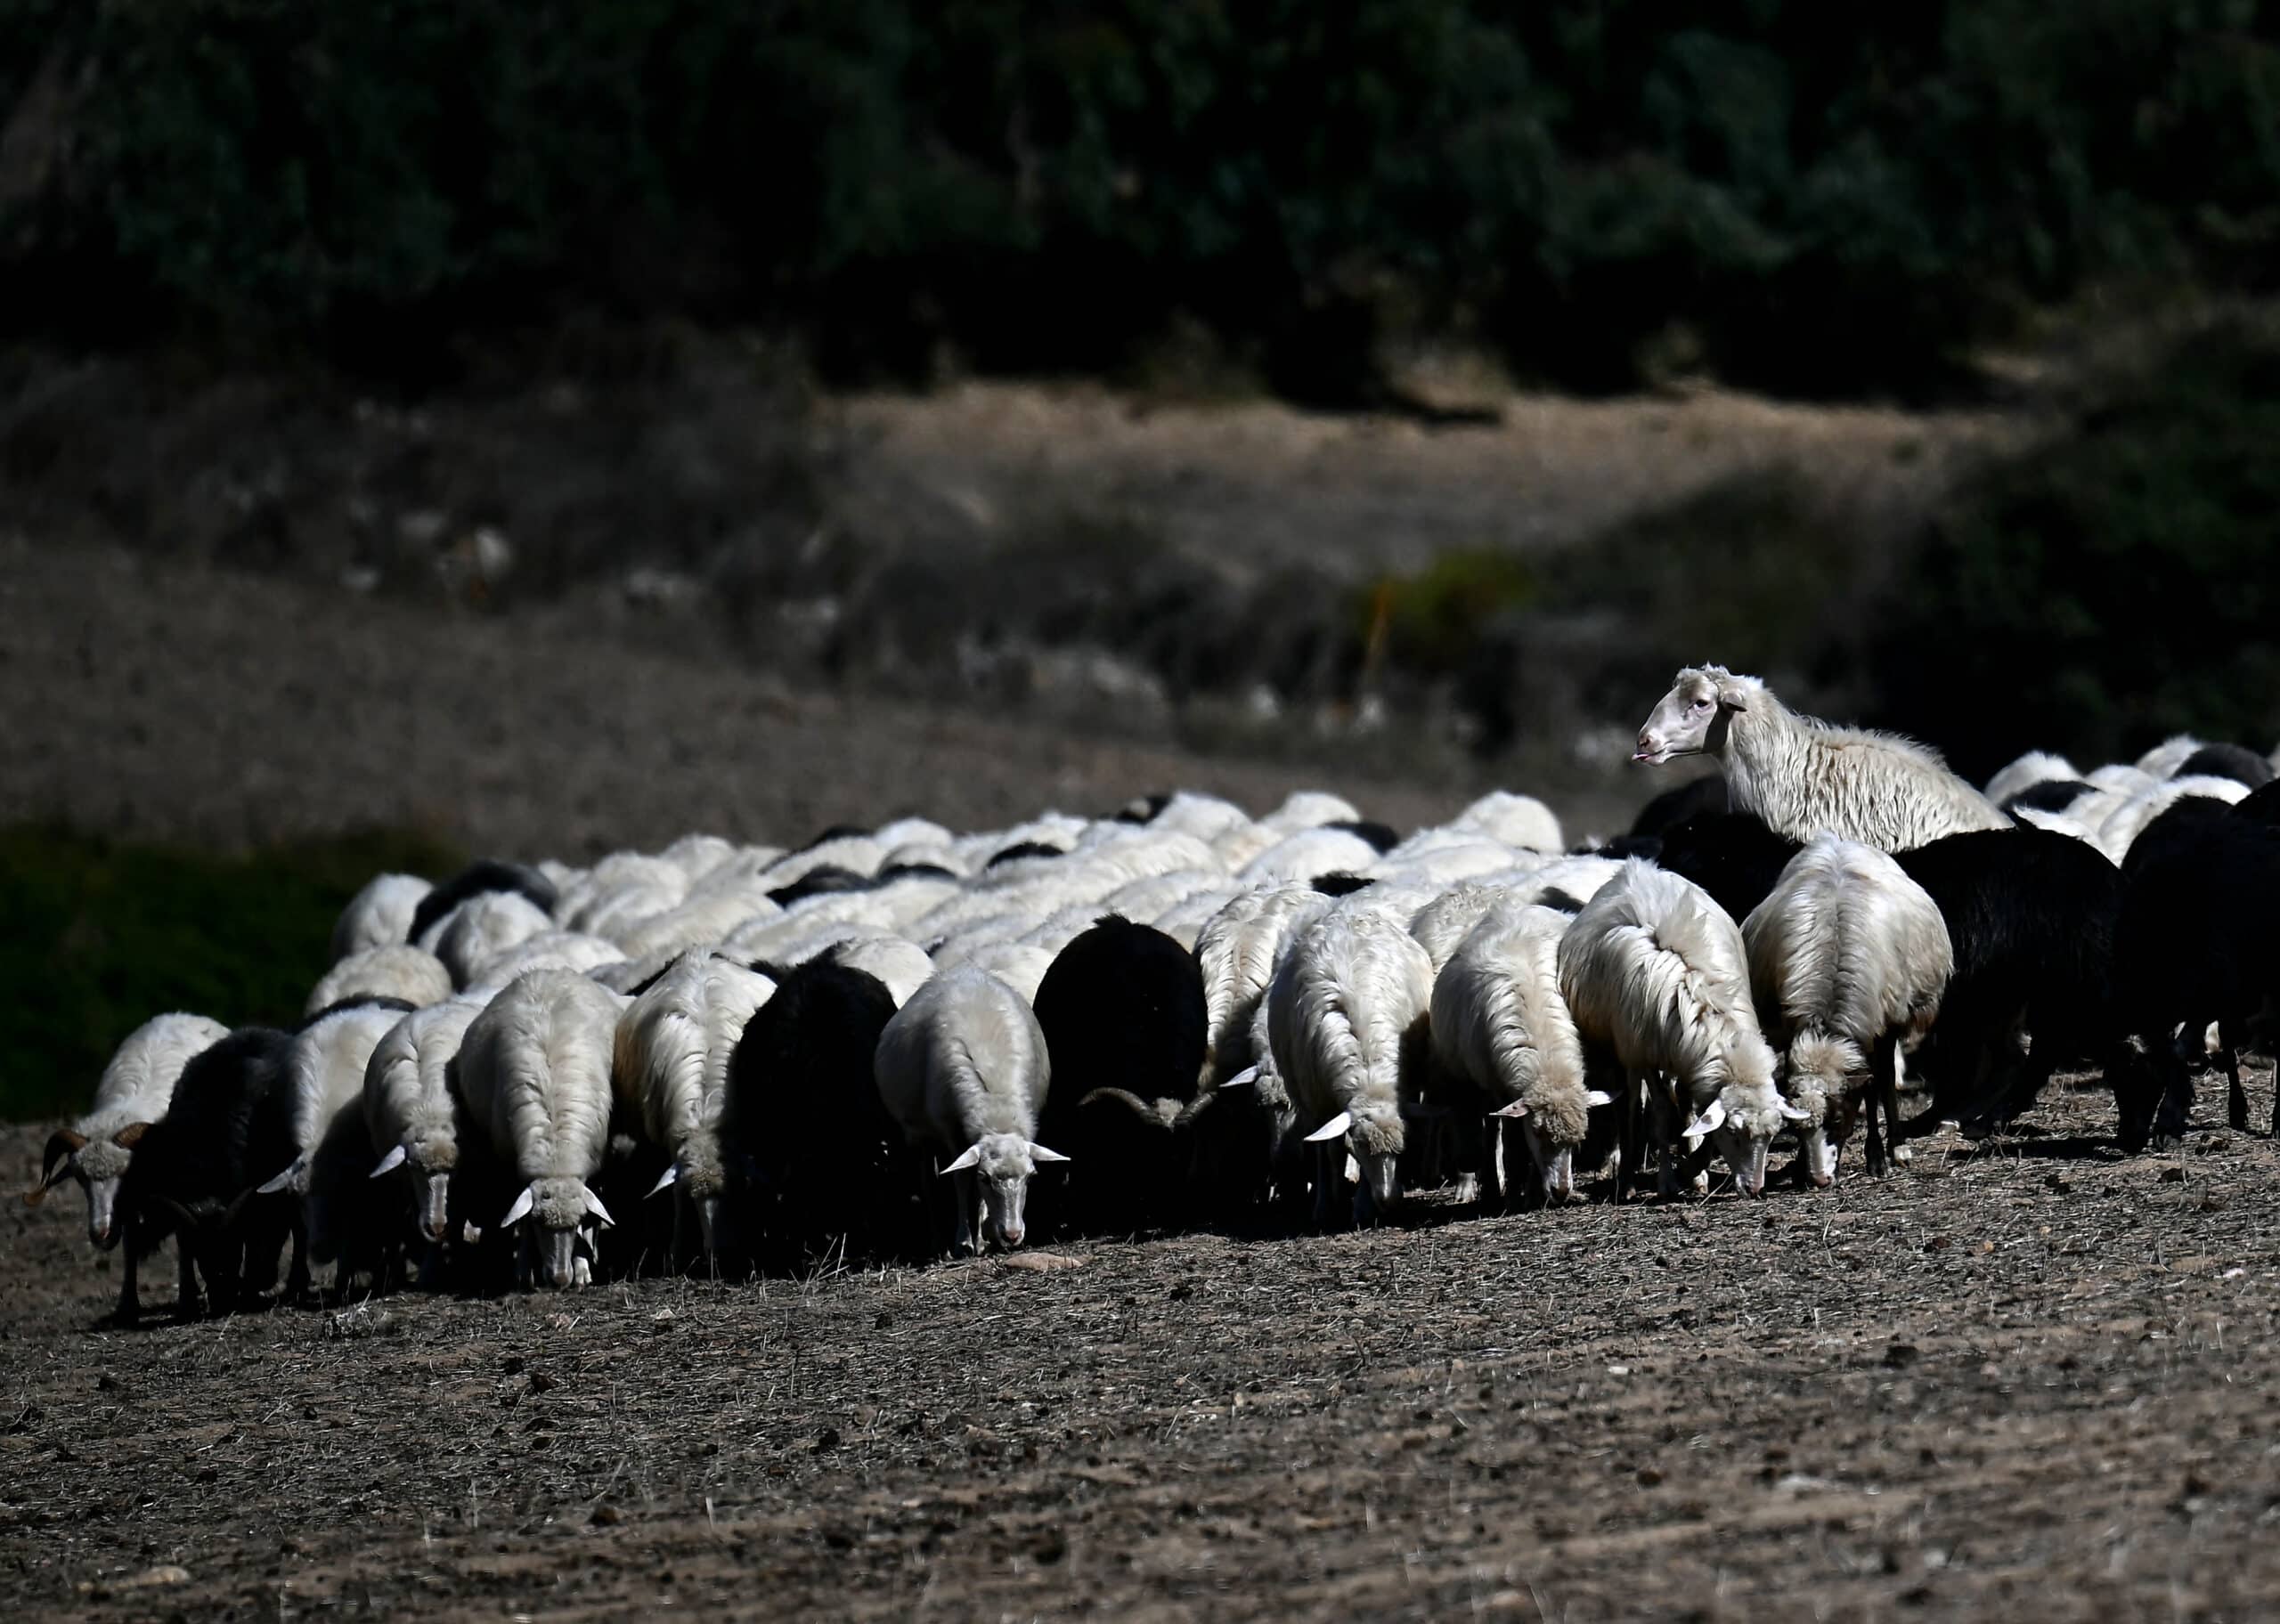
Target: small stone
(1900, 1354)
(827, 1439)
(2172, 1175)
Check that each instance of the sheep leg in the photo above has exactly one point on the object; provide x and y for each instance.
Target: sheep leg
(2229, 1058)
(296, 1273)
(1632, 1146)
(1883, 1101)
(962, 1192)
(185, 1279)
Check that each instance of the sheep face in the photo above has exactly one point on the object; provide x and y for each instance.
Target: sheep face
(432, 1192)
(1375, 1139)
(1003, 1163)
(1816, 1085)
(557, 1218)
(97, 1165)
(1692, 718)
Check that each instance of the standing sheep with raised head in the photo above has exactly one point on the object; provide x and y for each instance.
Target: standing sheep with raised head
(535, 1072)
(963, 1068)
(1848, 957)
(669, 1070)
(1804, 776)
(194, 1171)
(132, 1094)
(1654, 971)
(1501, 1024)
(1346, 1021)
(413, 1114)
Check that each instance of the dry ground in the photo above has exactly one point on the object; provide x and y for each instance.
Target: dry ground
(2028, 1380)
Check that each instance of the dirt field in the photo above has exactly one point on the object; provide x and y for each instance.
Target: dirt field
(2027, 1380)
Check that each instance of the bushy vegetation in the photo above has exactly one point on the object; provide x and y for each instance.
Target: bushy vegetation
(1794, 195)
(2117, 585)
(102, 936)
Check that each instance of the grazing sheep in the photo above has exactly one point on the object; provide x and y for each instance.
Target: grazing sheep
(379, 914)
(2036, 766)
(1521, 822)
(131, 1095)
(1804, 776)
(1123, 1012)
(701, 919)
(194, 1171)
(963, 1067)
(486, 877)
(1017, 964)
(2192, 947)
(1654, 971)
(483, 928)
(556, 949)
(669, 1070)
(621, 891)
(1444, 922)
(1309, 810)
(1207, 817)
(901, 966)
(413, 1114)
(698, 856)
(396, 970)
(1446, 863)
(1237, 952)
(1848, 957)
(2245, 767)
(2029, 916)
(819, 1158)
(324, 1071)
(1298, 857)
(1346, 1019)
(1501, 1026)
(2122, 825)
(535, 1070)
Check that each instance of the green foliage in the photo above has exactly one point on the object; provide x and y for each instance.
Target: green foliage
(2114, 587)
(102, 936)
(1828, 197)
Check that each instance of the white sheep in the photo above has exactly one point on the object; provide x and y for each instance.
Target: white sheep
(900, 966)
(396, 970)
(482, 928)
(411, 1113)
(2166, 757)
(379, 914)
(670, 1072)
(909, 831)
(534, 1071)
(2119, 826)
(1442, 925)
(323, 1075)
(699, 855)
(1238, 951)
(2036, 766)
(1185, 920)
(1518, 821)
(555, 949)
(963, 1067)
(1445, 863)
(1017, 964)
(1346, 1019)
(1307, 854)
(1500, 1023)
(619, 892)
(858, 854)
(1310, 809)
(1848, 957)
(133, 1092)
(1656, 971)
(1804, 776)
(1207, 817)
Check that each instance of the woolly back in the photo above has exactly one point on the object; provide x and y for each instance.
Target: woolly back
(141, 1076)
(968, 1041)
(1846, 944)
(1342, 1007)
(1122, 1007)
(326, 1066)
(799, 1075)
(1500, 1020)
(225, 1121)
(535, 1070)
(1655, 968)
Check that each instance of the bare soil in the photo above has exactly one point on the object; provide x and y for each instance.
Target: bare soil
(2026, 1378)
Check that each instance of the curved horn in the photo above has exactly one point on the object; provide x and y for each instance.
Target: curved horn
(1331, 1129)
(1151, 1111)
(594, 1206)
(665, 1181)
(62, 1145)
(521, 1209)
(183, 1220)
(131, 1135)
(389, 1162)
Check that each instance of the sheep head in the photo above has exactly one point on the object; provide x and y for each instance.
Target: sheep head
(1553, 1132)
(559, 1217)
(1375, 1134)
(97, 1164)
(1003, 1162)
(1744, 1113)
(1817, 1082)
(1692, 718)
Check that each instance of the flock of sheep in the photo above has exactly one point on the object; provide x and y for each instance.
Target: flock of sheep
(871, 1046)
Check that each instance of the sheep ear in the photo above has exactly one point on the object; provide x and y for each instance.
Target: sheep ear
(1244, 1078)
(1597, 1098)
(1352, 1169)
(1731, 694)
(665, 1180)
(1791, 1111)
(131, 1135)
(521, 1209)
(1331, 1129)
(389, 1162)
(281, 1182)
(1044, 1154)
(1516, 1109)
(972, 1154)
(594, 1206)
(1709, 1122)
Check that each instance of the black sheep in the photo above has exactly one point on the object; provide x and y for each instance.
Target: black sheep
(1122, 1009)
(823, 879)
(1732, 855)
(483, 876)
(2193, 946)
(1020, 849)
(2233, 761)
(1695, 797)
(195, 1172)
(2031, 915)
(1382, 836)
(816, 1156)
(2051, 795)
(2260, 806)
